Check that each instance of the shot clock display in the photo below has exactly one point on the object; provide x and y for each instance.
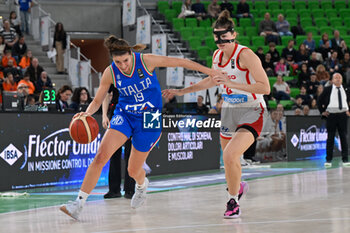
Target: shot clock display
(49, 96)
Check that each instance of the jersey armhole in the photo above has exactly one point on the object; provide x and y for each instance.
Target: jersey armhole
(144, 65)
(113, 76)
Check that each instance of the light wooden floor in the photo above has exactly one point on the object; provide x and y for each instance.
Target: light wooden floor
(305, 202)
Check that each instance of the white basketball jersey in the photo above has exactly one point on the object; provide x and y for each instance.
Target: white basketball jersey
(236, 74)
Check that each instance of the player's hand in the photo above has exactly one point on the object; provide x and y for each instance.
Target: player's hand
(81, 114)
(218, 73)
(222, 79)
(105, 122)
(170, 93)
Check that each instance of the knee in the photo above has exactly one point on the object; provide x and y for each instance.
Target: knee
(132, 171)
(100, 159)
(231, 159)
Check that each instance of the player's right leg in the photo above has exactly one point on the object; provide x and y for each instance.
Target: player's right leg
(111, 141)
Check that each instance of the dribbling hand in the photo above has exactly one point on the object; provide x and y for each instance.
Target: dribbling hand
(222, 79)
(79, 114)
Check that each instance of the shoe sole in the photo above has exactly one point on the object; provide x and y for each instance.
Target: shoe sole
(64, 210)
(233, 216)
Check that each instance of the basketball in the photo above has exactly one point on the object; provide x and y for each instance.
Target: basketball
(83, 129)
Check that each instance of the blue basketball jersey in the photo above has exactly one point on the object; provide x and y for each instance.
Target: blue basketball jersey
(139, 91)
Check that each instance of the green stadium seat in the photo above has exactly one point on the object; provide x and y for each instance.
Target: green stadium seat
(186, 33)
(257, 21)
(178, 23)
(210, 43)
(170, 14)
(313, 5)
(265, 49)
(286, 39)
(347, 22)
(162, 6)
(272, 81)
(253, 48)
(298, 5)
(331, 13)
(294, 92)
(291, 13)
(273, 5)
(276, 12)
(303, 12)
(292, 22)
(314, 30)
(344, 13)
(191, 22)
(245, 22)
(347, 40)
(321, 22)
(287, 104)
(288, 78)
(336, 22)
(326, 5)
(305, 22)
(209, 31)
(300, 39)
(328, 30)
(251, 31)
(205, 23)
(258, 41)
(259, 5)
(279, 49)
(342, 30)
(317, 40)
(317, 13)
(240, 30)
(272, 104)
(209, 61)
(286, 5)
(176, 5)
(200, 32)
(255, 13)
(262, 12)
(203, 52)
(243, 40)
(206, 4)
(338, 4)
(195, 42)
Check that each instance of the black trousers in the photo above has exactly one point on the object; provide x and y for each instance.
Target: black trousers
(337, 121)
(115, 171)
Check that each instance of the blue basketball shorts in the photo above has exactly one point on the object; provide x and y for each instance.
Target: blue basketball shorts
(131, 126)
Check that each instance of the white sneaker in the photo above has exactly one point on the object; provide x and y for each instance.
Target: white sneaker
(140, 196)
(72, 208)
(327, 164)
(346, 164)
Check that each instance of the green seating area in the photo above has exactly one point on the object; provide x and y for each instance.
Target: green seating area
(313, 15)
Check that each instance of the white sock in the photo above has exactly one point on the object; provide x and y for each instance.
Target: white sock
(82, 196)
(141, 186)
(234, 197)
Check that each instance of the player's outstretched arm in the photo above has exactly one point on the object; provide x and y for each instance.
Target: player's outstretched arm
(248, 60)
(201, 85)
(152, 61)
(105, 83)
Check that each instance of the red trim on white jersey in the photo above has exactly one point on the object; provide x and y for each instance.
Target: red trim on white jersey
(222, 53)
(227, 138)
(258, 124)
(248, 82)
(240, 68)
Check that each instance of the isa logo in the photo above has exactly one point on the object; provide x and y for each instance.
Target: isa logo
(10, 154)
(152, 120)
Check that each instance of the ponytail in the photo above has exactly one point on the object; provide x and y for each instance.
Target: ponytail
(118, 47)
(224, 20)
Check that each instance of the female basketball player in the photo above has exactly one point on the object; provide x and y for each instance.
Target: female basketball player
(139, 91)
(243, 108)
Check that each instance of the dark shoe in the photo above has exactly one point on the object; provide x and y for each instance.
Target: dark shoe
(232, 210)
(128, 195)
(112, 195)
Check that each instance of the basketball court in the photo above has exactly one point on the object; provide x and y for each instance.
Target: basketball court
(288, 197)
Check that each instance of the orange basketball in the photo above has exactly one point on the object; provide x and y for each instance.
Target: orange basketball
(83, 129)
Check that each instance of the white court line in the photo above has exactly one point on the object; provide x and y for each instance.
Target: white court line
(228, 222)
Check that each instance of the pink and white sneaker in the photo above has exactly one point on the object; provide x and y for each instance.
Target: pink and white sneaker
(232, 209)
(243, 189)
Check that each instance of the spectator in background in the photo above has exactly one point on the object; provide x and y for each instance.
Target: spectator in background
(201, 108)
(268, 65)
(170, 105)
(342, 49)
(243, 10)
(9, 35)
(281, 68)
(26, 60)
(310, 43)
(304, 75)
(15, 71)
(267, 29)
(302, 55)
(9, 83)
(214, 9)
(332, 64)
(43, 82)
(313, 62)
(23, 92)
(306, 110)
(31, 106)
(298, 103)
(19, 49)
(322, 75)
(290, 54)
(283, 27)
(325, 50)
(313, 104)
(2, 45)
(6, 58)
(217, 108)
(281, 89)
(303, 94)
(345, 67)
(199, 9)
(62, 97)
(311, 85)
(318, 91)
(324, 39)
(260, 53)
(227, 6)
(186, 10)
(28, 83)
(15, 23)
(81, 99)
(34, 70)
(60, 43)
(25, 9)
(335, 42)
(275, 56)
(298, 112)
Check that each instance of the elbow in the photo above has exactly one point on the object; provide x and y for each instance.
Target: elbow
(267, 91)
